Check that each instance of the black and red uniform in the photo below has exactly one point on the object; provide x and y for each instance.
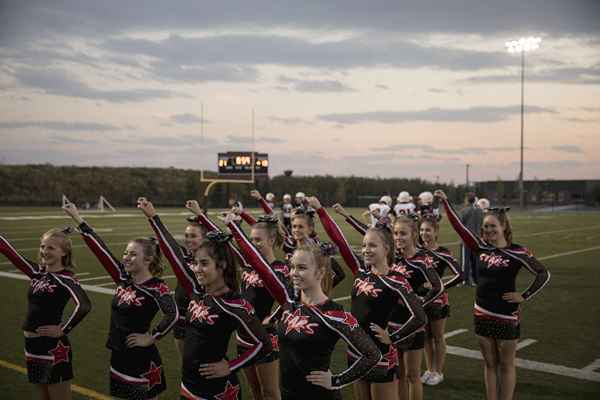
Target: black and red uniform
(378, 299)
(498, 269)
(289, 245)
(210, 322)
(442, 260)
(254, 291)
(49, 360)
(135, 372)
(418, 270)
(182, 300)
(308, 334)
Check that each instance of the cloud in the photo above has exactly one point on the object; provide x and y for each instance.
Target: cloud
(472, 114)
(288, 120)
(235, 50)
(58, 125)
(581, 120)
(186, 119)
(436, 90)
(314, 86)
(382, 87)
(169, 70)
(233, 139)
(568, 148)
(58, 82)
(573, 76)
(429, 149)
(22, 20)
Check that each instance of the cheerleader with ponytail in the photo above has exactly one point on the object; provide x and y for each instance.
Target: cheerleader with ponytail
(135, 364)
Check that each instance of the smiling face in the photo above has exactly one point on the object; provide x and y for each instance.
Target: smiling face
(193, 236)
(374, 250)
(206, 270)
(404, 239)
(305, 273)
(52, 251)
(428, 232)
(134, 260)
(492, 229)
(300, 228)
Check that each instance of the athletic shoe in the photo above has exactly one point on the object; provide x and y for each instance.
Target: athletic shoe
(435, 379)
(426, 376)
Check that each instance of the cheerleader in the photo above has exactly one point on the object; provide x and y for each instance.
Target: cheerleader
(48, 352)
(438, 310)
(215, 311)
(135, 364)
(497, 303)
(311, 324)
(378, 296)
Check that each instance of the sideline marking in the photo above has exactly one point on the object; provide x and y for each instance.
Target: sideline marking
(524, 343)
(593, 366)
(583, 373)
(454, 333)
(76, 388)
(95, 278)
(568, 253)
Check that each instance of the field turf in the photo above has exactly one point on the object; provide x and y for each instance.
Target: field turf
(564, 319)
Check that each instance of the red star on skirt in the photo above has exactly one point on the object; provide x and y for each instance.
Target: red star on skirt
(153, 375)
(231, 392)
(60, 353)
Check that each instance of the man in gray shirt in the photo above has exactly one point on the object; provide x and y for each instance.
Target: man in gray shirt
(472, 217)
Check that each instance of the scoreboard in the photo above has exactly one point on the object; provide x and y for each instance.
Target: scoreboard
(240, 162)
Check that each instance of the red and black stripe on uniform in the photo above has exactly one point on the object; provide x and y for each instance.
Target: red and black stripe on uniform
(211, 320)
(49, 360)
(135, 371)
(497, 272)
(310, 330)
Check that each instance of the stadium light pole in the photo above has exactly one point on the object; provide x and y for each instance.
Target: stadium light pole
(523, 45)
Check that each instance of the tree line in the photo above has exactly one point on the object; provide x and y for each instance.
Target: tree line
(44, 185)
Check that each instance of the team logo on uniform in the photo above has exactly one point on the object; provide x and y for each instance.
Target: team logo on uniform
(231, 392)
(252, 279)
(366, 287)
(201, 312)
(429, 261)
(401, 269)
(344, 317)
(128, 296)
(60, 353)
(242, 303)
(153, 375)
(400, 279)
(392, 357)
(42, 286)
(299, 323)
(162, 288)
(494, 260)
(275, 342)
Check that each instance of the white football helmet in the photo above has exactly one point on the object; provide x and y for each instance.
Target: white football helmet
(483, 203)
(269, 196)
(426, 198)
(403, 197)
(386, 200)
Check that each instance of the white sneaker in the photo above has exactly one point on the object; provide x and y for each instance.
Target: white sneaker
(426, 376)
(435, 379)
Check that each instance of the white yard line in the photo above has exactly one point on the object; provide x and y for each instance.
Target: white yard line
(82, 273)
(95, 278)
(586, 373)
(455, 333)
(568, 253)
(105, 284)
(524, 343)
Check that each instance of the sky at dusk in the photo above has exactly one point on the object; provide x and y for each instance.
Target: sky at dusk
(340, 87)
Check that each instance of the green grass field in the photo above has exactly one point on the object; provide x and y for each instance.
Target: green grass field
(564, 319)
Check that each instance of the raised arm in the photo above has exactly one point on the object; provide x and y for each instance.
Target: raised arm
(471, 240)
(346, 327)
(335, 234)
(338, 272)
(355, 223)
(272, 281)
(82, 302)
(265, 206)
(111, 264)
(242, 311)
(171, 249)
(26, 266)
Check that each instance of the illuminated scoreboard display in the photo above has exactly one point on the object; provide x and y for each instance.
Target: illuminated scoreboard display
(240, 162)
